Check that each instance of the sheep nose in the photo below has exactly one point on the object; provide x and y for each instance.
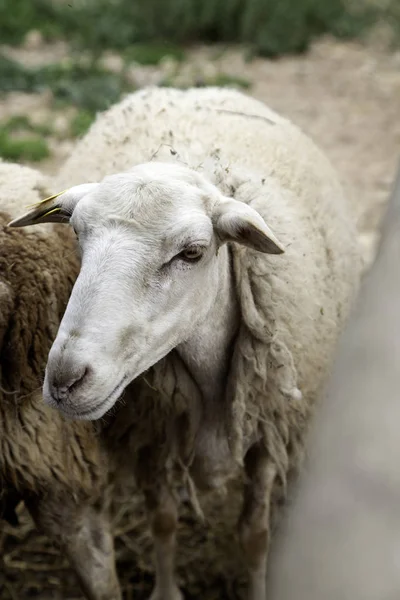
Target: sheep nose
(63, 384)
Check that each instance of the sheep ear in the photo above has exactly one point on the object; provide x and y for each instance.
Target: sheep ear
(237, 222)
(55, 209)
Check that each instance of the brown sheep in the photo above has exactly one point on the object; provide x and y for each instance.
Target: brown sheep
(56, 466)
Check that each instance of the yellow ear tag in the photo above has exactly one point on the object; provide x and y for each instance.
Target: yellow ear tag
(46, 199)
(57, 208)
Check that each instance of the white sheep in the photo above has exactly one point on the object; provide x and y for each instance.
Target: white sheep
(57, 467)
(218, 252)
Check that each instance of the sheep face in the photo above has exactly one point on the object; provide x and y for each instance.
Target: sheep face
(149, 242)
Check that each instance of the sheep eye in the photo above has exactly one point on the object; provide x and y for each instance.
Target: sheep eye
(191, 254)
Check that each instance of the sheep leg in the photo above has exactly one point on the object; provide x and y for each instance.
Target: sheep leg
(163, 514)
(254, 519)
(83, 533)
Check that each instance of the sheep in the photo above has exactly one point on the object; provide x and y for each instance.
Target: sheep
(56, 467)
(220, 260)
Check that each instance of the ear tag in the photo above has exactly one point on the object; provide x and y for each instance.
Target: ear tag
(46, 199)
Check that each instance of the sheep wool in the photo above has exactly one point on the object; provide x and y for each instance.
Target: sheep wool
(292, 306)
(38, 266)
(57, 467)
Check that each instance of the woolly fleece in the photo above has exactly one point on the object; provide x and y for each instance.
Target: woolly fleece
(38, 266)
(293, 306)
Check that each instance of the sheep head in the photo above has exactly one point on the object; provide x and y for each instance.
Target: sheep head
(150, 241)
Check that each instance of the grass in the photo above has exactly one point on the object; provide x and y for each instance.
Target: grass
(21, 140)
(223, 79)
(152, 54)
(88, 87)
(269, 27)
(17, 17)
(22, 123)
(33, 149)
(220, 80)
(91, 88)
(81, 123)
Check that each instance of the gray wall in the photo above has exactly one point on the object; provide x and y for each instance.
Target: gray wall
(341, 538)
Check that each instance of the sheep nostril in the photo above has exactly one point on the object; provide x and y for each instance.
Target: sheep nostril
(62, 387)
(78, 380)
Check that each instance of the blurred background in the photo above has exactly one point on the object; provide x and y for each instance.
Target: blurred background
(331, 66)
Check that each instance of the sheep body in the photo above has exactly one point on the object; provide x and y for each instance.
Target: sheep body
(57, 467)
(34, 293)
(292, 307)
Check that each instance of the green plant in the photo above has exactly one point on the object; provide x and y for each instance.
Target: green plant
(14, 76)
(17, 17)
(22, 123)
(81, 123)
(223, 79)
(86, 86)
(22, 140)
(91, 88)
(271, 27)
(152, 53)
(32, 148)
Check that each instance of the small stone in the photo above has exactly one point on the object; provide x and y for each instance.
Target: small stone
(33, 40)
(112, 62)
(169, 65)
(61, 124)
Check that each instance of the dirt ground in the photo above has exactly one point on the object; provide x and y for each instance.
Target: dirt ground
(347, 98)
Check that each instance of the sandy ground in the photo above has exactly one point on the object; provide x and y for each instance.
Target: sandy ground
(347, 98)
